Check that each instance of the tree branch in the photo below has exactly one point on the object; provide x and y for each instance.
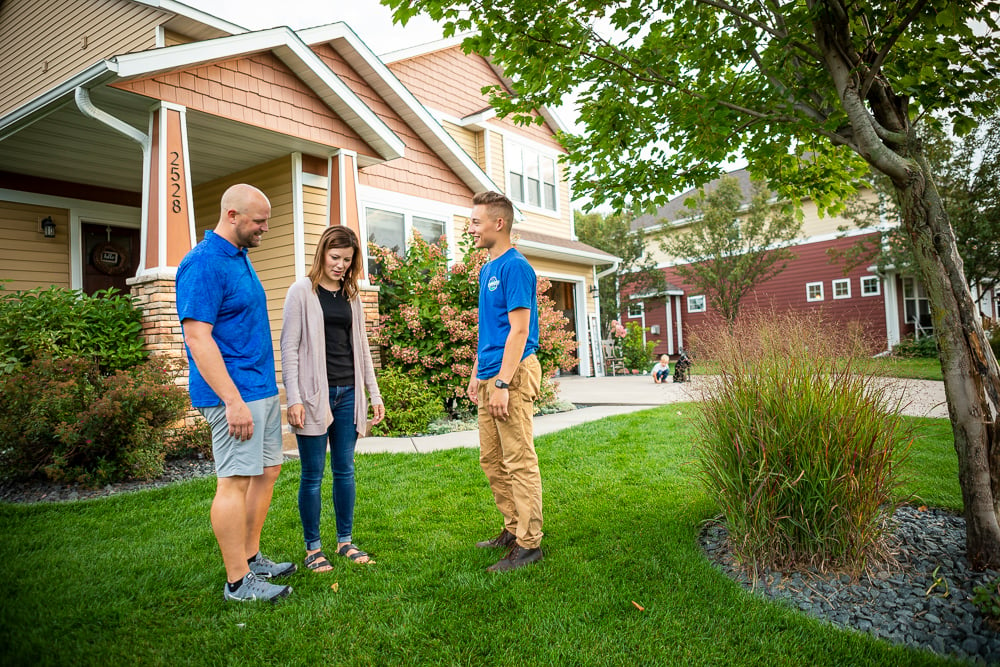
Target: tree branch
(876, 66)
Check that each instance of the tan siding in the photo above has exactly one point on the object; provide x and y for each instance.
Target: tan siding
(469, 140)
(274, 259)
(544, 224)
(171, 38)
(28, 259)
(314, 217)
(43, 42)
(496, 169)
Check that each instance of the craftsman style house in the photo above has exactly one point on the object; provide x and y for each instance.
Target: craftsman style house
(123, 121)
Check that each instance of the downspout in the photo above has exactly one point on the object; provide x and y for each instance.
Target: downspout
(87, 108)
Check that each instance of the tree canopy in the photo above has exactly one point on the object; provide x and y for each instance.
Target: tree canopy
(731, 246)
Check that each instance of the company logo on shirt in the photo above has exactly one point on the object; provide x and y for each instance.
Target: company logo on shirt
(493, 284)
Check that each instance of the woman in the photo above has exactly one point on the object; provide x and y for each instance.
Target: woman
(326, 366)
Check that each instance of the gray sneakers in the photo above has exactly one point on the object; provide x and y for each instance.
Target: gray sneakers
(265, 568)
(255, 588)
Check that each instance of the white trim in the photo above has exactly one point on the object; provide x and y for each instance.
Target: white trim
(189, 12)
(315, 180)
(298, 219)
(813, 299)
(841, 281)
(424, 49)
(680, 325)
(79, 210)
(891, 302)
(159, 38)
(510, 143)
(668, 316)
(878, 285)
(192, 233)
(642, 310)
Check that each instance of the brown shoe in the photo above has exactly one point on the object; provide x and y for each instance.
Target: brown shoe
(516, 558)
(504, 539)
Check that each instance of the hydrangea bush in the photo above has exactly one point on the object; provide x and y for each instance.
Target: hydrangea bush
(428, 324)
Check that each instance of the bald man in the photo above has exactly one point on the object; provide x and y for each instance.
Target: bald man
(223, 312)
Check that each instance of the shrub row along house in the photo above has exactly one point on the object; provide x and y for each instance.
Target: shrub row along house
(888, 305)
(122, 122)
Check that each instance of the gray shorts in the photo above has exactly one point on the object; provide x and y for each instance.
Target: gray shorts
(246, 458)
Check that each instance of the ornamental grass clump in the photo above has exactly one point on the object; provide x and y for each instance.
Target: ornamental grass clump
(801, 444)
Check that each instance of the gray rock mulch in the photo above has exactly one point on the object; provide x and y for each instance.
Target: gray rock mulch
(923, 601)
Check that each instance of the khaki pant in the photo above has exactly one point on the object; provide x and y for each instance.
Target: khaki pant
(507, 454)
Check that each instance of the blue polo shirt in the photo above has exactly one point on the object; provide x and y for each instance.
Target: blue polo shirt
(505, 284)
(217, 284)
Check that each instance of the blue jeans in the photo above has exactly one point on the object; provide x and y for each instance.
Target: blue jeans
(342, 436)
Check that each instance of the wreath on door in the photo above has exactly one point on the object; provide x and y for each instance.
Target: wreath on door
(110, 259)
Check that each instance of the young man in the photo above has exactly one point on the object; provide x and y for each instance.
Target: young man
(505, 382)
(223, 311)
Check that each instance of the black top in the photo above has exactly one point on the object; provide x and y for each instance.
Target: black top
(337, 324)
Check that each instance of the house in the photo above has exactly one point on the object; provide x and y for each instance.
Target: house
(887, 306)
(123, 121)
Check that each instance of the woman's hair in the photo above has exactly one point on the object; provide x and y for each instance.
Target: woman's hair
(338, 236)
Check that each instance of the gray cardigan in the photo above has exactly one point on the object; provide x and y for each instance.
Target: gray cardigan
(303, 360)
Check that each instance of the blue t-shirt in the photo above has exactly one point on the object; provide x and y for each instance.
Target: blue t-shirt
(217, 284)
(505, 284)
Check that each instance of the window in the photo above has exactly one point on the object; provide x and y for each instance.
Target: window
(531, 177)
(393, 230)
(871, 286)
(842, 288)
(917, 308)
(814, 291)
(635, 309)
(696, 304)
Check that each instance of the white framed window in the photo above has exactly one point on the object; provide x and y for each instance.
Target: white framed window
(871, 286)
(814, 291)
(635, 309)
(842, 288)
(696, 304)
(394, 229)
(531, 177)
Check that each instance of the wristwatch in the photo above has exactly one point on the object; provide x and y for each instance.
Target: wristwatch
(500, 384)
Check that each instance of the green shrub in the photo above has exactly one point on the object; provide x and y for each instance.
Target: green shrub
(410, 404)
(189, 441)
(636, 354)
(987, 600)
(429, 319)
(800, 445)
(65, 419)
(105, 328)
(914, 347)
(994, 336)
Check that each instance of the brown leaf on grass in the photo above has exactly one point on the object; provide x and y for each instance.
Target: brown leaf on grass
(335, 586)
(638, 606)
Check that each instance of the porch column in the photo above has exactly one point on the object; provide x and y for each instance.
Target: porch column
(167, 231)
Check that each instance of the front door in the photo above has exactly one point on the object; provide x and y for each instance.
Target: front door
(110, 256)
(563, 294)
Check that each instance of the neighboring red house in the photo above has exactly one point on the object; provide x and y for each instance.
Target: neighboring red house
(887, 306)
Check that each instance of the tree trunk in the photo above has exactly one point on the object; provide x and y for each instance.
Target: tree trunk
(971, 377)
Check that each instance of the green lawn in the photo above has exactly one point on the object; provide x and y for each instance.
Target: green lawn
(138, 579)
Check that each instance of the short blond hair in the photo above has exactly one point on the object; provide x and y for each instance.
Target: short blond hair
(497, 206)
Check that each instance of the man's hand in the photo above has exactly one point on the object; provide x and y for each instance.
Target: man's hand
(296, 415)
(240, 420)
(499, 400)
(472, 391)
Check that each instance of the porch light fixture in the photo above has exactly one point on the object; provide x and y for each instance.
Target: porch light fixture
(48, 228)
(595, 290)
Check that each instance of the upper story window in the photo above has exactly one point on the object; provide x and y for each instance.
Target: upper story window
(814, 291)
(394, 229)
(531, 177)
(696, 304)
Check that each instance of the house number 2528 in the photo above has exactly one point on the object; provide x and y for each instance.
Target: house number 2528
(175, 182)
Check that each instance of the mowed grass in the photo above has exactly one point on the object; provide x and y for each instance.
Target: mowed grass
(137, 579)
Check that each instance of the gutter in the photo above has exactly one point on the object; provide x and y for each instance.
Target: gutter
(87, 108)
